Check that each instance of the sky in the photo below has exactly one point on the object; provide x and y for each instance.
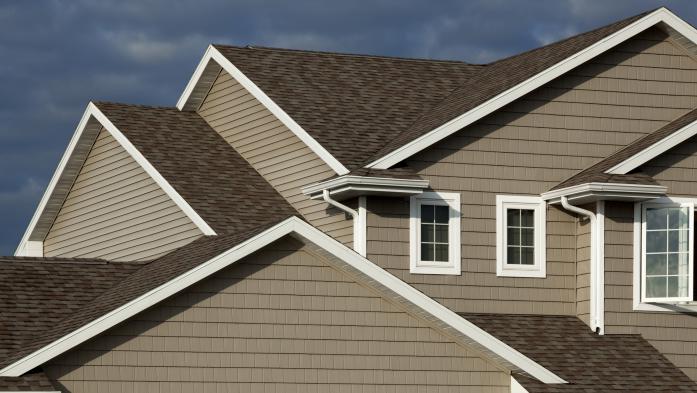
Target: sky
(57, 55)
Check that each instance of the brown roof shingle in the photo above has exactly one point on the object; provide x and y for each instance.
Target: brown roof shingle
(30, 382)
(588, 361)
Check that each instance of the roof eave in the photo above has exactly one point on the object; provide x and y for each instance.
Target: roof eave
(591, 192)
(348, 186)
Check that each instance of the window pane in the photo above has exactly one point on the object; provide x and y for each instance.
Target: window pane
(427, 233)
(527, 256)
(442, 214)
(673, 218)
(441, 233)
(656, 218)
(513, 238)
(513, 217)
(655, 264)
(527, 218)
(673, 287)
(513, 256)
(528, 236)
(656, 241)
(656, 287)
(426, 252)
(427, 213)
(442, 252)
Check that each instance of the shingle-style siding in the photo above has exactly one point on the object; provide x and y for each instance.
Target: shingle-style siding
(583, 266)
(282, 320)
(116, 211)
(526, 148)
(285, 161)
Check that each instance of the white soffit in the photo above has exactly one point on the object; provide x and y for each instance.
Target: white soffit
(431, 309)
(93, 120)
(661, 15)
(191, 97)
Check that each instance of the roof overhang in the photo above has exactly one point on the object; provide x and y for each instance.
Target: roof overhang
(591, 192)
(685, 33)
(92, 122)
(203, 78)
(347, 186)
(396, 291)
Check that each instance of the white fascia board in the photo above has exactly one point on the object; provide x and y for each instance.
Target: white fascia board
(655, 150)
(25, 245)
(381, 184)
(551, 73)
(306, 231)
(212, 54)
(605, 190)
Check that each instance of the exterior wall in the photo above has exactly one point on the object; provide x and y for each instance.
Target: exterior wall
(274, 151)
(583, 267)
(673, 334)
(527, 148)
(116, 211)
(282, 320)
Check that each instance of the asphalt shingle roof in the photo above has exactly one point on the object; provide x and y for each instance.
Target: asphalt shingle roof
(31, 382)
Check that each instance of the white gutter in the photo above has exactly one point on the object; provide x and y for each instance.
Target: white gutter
(358, 220)
(597, 262)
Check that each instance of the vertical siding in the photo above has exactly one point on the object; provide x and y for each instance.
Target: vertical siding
(116, 211)
(274, 151)
(280, 321)
(527, 148)
(673, 334)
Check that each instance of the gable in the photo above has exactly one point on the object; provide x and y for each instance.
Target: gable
(263, 324)
(273, 150)
(675, 168)
(116, 211)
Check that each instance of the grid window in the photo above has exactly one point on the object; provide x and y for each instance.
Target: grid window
(667, 252)
(520, 236)
(434, 233)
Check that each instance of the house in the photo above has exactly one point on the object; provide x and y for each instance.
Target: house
(308, 222)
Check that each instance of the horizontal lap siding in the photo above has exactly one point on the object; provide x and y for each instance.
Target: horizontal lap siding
(673, 334)
(274, 151)
(116, 211)
(282, 320)
(527, 148)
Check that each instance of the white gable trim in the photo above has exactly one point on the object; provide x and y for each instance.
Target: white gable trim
(29, 248)
(514, 93)
(213, 54)
(655, 150)
(304, 230)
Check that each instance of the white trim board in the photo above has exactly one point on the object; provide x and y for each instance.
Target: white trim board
(654, 150)
(660, 15)
(92, 112)
(212, 54)
(432, 309)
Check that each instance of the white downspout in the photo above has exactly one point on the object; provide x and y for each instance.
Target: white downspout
(358, 220)
(597, 290)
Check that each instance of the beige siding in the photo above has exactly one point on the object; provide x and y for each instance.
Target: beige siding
(583, 268)
(527, 148)
(274, 151)
(282, 320)
(116, 211)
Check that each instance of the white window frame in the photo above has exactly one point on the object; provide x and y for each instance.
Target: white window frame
(416, 265)
(539, 268)
(640, 303)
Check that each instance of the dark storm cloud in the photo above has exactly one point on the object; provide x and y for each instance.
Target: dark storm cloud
(57, 55)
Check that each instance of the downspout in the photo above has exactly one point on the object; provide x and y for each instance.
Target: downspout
(597, 285)
(358, 220)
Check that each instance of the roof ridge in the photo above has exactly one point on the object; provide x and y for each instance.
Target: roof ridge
(106, 102)
(346, 54)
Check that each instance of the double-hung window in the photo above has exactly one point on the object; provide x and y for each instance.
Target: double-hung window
(667, 233)
(435, 233)
(520, 236)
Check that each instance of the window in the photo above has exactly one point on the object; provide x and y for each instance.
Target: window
(667, 252)
(434, 228)
(520, 236)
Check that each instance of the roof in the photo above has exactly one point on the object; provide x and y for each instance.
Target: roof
(36, 293)
(498, 77)
(366, 100)
(30, 382)
(596, 173)
(220, 185)
(588, 361)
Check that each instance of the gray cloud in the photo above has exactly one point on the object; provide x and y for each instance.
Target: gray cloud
(59, 54)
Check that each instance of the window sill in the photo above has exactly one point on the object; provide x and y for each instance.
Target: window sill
(444, 270)
(521, 273)
(688, 307)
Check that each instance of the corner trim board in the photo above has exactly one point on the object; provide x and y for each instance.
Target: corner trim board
(439, 133)
(212, 54)
(292, 225)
